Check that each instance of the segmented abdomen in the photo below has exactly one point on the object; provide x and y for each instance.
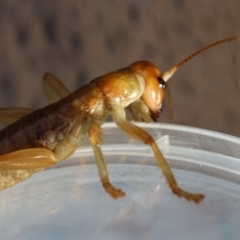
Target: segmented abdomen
(43, 128)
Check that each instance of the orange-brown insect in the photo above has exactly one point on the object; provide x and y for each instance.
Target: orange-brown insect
(34, 140)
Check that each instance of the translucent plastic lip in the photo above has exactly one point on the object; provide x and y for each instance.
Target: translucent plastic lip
(68, 201)
(198, 150)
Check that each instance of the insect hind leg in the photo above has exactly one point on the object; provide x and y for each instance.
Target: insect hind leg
(33, 158)
(20, 165)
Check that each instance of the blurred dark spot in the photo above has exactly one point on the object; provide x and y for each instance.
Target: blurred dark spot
(7, 86)
(121, 34)
(2, 56)
(6, 82)
(50, 29)
(181, 29)
(161, 33)
(195, 117)
(134, 13)
(22, 36)
(74, 12)
(76, 40)
(38, 135)
(148, 51)
(229, 116)
(209, 26)
(32, 63)
(36, 101)
(168, 58)
(120, 37)
(82, 77)
(234, 72)
(186, 88)
(179, 4)
(2, 8)
(110, 43)
(99, 19)
(198, 43)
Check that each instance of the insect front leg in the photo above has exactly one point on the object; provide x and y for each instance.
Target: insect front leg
(139, 111)
(133, 131)
(95, 134)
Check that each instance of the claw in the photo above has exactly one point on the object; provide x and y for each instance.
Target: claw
(112, 191)
(197, 198)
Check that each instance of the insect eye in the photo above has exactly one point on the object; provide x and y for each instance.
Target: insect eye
(162, 83)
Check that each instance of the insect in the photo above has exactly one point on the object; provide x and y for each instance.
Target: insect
(34, 140)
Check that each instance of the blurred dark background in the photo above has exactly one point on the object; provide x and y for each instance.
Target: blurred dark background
(79, 40)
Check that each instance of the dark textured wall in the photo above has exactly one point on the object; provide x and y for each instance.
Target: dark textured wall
(80, 40)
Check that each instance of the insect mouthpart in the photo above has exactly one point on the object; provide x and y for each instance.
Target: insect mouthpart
(162, 83)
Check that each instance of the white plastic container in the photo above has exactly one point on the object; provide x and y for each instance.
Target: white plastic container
(68, 201)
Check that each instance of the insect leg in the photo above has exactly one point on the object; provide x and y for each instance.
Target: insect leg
(10, 115)
(139, 111)
(54, 88)
(68, 145)
(133, 131)
(33, 158)
(95, 135)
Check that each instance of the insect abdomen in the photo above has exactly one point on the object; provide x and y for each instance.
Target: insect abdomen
(42, 128)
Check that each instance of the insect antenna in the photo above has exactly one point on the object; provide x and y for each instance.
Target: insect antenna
(168, 74)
